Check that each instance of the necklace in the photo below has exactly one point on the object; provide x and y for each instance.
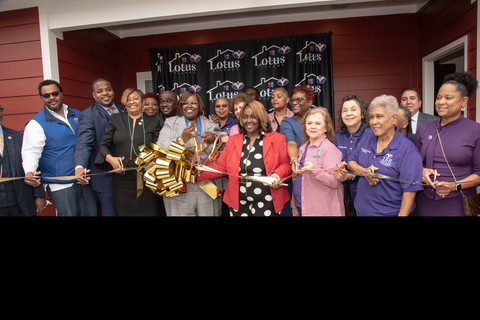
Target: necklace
(132, 134)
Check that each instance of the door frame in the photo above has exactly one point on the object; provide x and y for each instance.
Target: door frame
(428, 74)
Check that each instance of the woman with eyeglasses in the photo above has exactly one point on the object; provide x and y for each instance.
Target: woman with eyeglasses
(301, 101)
(195, 202)
(255, 151)
(127, 131)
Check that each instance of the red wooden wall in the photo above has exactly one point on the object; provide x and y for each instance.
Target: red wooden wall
(442, 22)
(371, 55)
(21, 67)
(84, 56)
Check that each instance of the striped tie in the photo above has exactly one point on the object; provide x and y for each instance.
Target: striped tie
(1, 146)
(110, 110)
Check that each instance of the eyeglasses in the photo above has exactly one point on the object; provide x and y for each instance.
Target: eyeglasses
(221, 105)
(193, 104)
(47, 95)
(297, 100)
(1, 110)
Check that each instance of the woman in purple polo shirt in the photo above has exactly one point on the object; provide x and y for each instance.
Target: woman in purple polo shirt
(460, 138)
(388, 153)
(353, 115)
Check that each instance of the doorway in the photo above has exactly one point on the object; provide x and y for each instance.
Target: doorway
(449, 64)
(437, 65)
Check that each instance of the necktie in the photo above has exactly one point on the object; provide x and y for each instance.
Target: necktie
(1, 146)
(110, 110)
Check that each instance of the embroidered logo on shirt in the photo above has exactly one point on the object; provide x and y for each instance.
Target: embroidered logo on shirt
(365, 150)
(317, 153)
(387, 160)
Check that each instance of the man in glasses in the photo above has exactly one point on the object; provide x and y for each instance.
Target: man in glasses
(91, 127)
(48, 145)
(17, 199)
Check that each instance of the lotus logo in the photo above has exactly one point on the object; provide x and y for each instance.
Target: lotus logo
(321, 79)
(195, 88)
(284, 50)
(239, 54)
(195, 58)
(238, 85)
(320, 47)
(389, 155)
(282, 82)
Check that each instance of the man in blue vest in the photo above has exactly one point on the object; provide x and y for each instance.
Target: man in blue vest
(91, 127)
(48, 144)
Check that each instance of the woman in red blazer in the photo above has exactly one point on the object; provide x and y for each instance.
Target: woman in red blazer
(255, 151)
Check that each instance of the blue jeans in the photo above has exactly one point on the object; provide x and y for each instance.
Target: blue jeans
(77, 200)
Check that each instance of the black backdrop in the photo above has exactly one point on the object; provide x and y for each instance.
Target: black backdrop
(225, 69)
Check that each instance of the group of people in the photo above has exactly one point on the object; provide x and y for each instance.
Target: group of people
(387, 159)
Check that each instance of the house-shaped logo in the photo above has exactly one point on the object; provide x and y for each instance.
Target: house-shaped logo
(178, 89)
(226, 60)
(266, 86)
(313, 81)
(311, 52)
(273, 56)
(183, 63)
(227, 89)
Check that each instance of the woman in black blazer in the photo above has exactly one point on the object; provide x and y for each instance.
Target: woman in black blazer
(127, 131)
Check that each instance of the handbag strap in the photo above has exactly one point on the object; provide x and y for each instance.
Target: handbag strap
(441, 146)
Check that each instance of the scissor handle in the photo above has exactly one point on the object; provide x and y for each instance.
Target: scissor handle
(216, 146)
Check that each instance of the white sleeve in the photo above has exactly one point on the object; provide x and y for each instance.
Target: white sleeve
(32, 147)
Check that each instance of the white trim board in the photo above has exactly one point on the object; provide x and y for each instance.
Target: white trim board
(428, 75)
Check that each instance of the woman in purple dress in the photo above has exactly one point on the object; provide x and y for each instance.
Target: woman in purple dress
(460, 138)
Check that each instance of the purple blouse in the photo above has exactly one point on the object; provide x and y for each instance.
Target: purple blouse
(461, 142)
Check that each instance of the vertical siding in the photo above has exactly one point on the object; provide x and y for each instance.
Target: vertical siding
(371, 55)
(84, 56)
(20, 66)
(441, 22)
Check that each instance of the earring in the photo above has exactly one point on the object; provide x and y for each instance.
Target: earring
(463, 108)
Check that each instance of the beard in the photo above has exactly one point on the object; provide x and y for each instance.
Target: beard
(60, 105)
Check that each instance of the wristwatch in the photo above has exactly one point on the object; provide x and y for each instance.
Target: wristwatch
(458, 186)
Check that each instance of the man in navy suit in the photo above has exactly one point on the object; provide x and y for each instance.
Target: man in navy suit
(91, 127)
(16, 197)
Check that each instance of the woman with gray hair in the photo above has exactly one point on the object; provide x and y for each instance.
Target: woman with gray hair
(390, 154)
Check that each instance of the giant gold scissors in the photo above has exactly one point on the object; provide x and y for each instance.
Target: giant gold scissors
(199, 146)
(214, 154)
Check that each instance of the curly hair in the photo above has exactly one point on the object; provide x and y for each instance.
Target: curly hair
(465, 82)
(307, 90)
(363, 107)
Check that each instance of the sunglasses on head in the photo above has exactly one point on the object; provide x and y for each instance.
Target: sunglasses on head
(53, 94)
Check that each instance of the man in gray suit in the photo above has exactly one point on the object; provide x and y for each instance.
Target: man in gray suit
(410, 99)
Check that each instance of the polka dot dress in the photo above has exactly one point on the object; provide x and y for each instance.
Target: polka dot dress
(255, 197)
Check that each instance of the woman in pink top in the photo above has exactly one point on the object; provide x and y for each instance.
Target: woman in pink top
(317, 192)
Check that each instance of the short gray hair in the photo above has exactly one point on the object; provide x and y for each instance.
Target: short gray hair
(389, 102)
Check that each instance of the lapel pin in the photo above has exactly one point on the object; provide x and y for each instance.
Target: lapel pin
(10, 138)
